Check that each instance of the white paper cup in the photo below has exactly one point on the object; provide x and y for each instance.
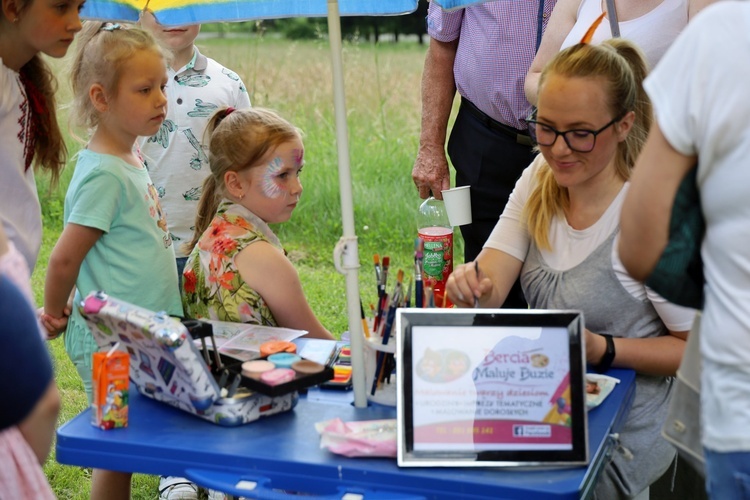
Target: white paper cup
(385, 392)
(458, 205)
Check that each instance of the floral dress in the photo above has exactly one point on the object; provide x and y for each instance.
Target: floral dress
(212, 287)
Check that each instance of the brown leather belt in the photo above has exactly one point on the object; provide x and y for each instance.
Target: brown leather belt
(520, 137)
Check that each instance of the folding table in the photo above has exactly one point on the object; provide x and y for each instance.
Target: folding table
(280, 454)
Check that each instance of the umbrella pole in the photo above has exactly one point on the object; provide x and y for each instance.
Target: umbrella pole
(348, 243)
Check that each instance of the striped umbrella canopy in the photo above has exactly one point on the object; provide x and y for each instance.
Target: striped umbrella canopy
(183, 12)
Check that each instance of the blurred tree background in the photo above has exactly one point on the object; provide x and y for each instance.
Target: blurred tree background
(359, 28)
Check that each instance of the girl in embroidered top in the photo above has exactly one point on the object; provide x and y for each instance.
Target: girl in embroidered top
(559, 233)
(29, 132)
(237, 270)
(115, 237)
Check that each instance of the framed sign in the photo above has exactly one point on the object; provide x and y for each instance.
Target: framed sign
(491, 387)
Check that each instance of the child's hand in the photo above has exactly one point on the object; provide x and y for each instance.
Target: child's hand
(54, 326)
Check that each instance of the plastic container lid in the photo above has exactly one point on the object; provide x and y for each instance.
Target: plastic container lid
(306, 366)
(277, 376)
(274, 346)
(254, 369)
(283, 359)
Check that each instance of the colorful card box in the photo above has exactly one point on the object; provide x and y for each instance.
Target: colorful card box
(109, 408)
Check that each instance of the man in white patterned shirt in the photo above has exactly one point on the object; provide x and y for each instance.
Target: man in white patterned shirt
(177, 156)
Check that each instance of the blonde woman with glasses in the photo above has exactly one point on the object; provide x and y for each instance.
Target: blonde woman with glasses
(559, 233)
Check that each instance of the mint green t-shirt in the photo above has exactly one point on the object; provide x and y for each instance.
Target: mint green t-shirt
(134, 259)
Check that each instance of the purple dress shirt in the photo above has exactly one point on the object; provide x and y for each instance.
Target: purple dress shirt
(498, 42)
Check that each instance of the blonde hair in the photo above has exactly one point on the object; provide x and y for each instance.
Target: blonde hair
(40, 85)
(102, 51)
(622, 67)
(239, 139)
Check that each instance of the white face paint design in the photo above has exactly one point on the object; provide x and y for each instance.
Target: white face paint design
(271, 187)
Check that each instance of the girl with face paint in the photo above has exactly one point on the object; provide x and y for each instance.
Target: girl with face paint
(237, 270)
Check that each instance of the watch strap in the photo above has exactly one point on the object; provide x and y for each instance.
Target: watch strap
(609, 355)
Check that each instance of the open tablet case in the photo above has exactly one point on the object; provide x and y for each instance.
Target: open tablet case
(166, 365)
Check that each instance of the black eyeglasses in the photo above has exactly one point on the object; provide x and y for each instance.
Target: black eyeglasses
(580, 140)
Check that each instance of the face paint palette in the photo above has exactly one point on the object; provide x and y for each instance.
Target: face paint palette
(291, 372)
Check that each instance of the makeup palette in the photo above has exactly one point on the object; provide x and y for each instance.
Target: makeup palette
(278, 373)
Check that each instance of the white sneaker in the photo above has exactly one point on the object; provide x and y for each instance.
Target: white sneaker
(215, 495)
(177, 488)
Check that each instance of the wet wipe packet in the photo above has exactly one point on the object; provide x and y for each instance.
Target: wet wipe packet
(368, 438)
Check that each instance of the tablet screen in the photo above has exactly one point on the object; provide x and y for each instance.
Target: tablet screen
(491, 388)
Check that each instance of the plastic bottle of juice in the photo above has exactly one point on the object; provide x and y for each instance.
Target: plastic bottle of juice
(437, 260)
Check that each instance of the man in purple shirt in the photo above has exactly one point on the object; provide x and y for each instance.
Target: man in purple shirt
(484, 52)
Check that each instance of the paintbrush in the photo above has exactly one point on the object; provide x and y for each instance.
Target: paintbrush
(376, 261)
(383, 302)
(381, 357)
(418, 284)
(365, 329)
(374, 312)
(384, 274)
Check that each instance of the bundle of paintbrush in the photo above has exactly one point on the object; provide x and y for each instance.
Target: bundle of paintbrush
(388, 304)
(385, 361)
(422, 296)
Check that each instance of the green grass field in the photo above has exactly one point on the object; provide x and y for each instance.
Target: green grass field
(383, 113)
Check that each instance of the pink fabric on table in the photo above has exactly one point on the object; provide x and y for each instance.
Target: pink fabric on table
(368, 438)
(21, 475)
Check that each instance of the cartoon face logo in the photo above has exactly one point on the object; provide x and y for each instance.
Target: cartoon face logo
(539, 360)
(444, 365)
(430, 366)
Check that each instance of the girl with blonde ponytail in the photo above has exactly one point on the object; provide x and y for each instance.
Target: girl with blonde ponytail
(559, 233)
